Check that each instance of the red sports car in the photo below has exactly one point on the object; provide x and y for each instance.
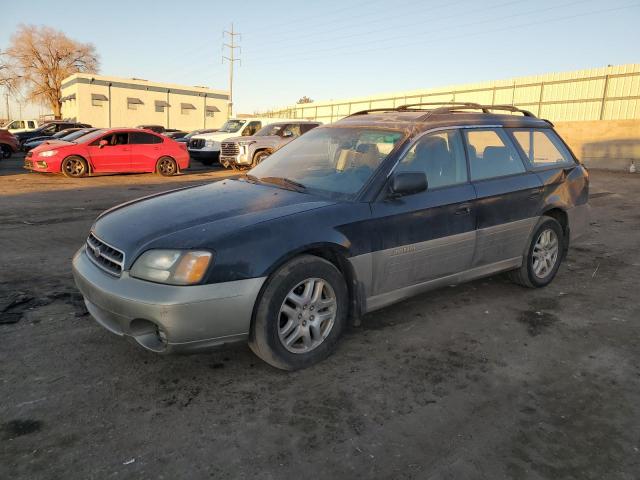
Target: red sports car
(116, 150)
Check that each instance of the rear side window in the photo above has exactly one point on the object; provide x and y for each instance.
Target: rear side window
(143, 138)
(542, 147)
(31, 124)
(440, 156)
(491, 154)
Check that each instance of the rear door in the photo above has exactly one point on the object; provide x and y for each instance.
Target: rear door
(509, 196)
(431, 234)
(113, 157)
(146, 148)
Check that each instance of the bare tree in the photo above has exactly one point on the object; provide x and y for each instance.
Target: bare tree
(39, 58)
(305, 99)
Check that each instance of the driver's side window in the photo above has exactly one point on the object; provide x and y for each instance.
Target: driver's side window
(440, 156)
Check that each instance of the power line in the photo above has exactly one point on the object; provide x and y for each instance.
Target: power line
(414, 43)
(231, 59)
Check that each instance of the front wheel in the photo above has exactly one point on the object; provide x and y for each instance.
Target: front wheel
(75, 167)
(167, 167)
(542, 261)
(301, 314)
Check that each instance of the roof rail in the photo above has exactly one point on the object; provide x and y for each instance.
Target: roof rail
(446, 107)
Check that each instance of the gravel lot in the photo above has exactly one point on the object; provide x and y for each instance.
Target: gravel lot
(483, 380)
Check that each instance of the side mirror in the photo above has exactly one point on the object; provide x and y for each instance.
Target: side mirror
(407, 183)
(287, 134)
(102, 143)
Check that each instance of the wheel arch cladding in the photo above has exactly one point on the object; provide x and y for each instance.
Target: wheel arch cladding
(560, 215)
(337, 255)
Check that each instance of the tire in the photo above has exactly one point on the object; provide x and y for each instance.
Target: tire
(167, 167)
(541, 262)
(315, 339)
(5, 151)
(259, 157)
(74, 166)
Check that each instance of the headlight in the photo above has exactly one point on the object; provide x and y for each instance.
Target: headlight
(174, 267)
(210, 143)
(48, 153)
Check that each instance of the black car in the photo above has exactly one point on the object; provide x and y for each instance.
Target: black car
(188, 136)
(48, 130)
(65, 134)
(347, 219)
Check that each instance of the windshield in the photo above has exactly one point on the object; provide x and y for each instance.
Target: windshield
(232, 126)
(336, 162)
(90, 137)
(272, 129)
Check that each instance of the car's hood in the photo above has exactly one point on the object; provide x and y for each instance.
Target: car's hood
(49, 144)
(207, 212)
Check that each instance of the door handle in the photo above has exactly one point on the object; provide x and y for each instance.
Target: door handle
(463, 210)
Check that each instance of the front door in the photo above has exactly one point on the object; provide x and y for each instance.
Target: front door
(508, 196)
(115, 156)
(431, 234)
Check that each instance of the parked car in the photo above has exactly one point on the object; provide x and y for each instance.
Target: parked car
(48, 129)
(61, 135)
(174, 134)
(17, 126)
(153, 128)
(8, 143)
(116, 150)
(188, 136)
(349, 218)
(206, 147)
(245, 152)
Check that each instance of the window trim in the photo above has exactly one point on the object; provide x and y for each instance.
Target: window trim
(464, 153)
(510, 142)
(531, 166)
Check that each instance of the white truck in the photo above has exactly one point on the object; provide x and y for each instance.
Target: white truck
(206, 147)
(17, 126)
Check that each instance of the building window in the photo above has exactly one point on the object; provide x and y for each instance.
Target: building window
(97, 99)
(186, 107)
(210, 110)
(161, 105)
(132, 103)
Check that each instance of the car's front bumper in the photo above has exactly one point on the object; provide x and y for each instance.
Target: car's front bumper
(167, 318)
(204, 152)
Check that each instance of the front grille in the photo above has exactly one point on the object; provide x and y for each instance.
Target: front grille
(106, 257)
(229, 148)
(196, 143)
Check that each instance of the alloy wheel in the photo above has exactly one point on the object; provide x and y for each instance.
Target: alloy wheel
(545, 253)
(307, 315)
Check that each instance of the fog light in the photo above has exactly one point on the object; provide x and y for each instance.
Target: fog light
(41, 164)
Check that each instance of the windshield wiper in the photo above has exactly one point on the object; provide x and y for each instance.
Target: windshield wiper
(285, 182)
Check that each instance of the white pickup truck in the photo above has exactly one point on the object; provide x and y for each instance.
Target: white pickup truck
(17, 126)
(206, 147)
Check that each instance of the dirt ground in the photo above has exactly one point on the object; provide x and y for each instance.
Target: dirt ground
(481, 381)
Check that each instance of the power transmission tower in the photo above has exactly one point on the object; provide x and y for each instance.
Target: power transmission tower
(232, 46)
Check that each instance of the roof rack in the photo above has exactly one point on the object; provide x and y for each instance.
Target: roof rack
(446, 107)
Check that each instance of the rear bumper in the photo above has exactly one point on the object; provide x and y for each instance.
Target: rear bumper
(579, 217)
(167, 318)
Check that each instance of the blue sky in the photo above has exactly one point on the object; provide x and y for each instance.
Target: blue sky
(336, 49)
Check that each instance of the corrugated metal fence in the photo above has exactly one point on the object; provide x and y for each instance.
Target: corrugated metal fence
(609, 93)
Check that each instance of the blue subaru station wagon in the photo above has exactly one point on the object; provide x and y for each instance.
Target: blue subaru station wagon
(348, 218)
